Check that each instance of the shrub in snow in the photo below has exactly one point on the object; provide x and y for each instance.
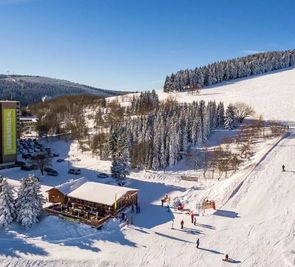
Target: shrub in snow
(7, 208)
(29, 201)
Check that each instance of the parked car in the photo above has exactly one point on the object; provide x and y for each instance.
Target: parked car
(102, 175)
(52, 173)
(27, 167)
(26, 156)
(48, 169)
(35, 166)
(60, 160)
(20, 163)
(121, 183)
(74, 171)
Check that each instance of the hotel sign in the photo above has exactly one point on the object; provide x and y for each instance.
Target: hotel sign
(9, 131)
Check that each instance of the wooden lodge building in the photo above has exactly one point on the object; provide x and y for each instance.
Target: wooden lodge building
(59, 193)
(89, 202)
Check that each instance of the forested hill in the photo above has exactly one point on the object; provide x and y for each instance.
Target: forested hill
(218, 72)
(32, 89)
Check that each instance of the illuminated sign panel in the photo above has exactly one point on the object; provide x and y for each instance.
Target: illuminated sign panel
(9, 131)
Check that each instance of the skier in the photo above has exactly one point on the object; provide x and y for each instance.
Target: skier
(181, 224)
(198, 242)
(283, 167)
(195, 221)
(137, 209)
(162, 202)
(226, 258)
(131, 220)
(192, 217)
(168, 208)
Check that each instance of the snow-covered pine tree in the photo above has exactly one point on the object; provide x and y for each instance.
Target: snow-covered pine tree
(7, 207)
(228, 70)
(149, 139)
(120, 164)
(156, 151)
(220, 114)
(163, 133)
(120, 169)
(29, 202)
(173, 143)
(229, 119)
(201, 120)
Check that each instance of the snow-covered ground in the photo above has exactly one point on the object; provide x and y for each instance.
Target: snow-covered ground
(254, 224)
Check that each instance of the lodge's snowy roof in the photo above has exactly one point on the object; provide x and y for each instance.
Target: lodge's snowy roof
(100, 193)
(71, 185)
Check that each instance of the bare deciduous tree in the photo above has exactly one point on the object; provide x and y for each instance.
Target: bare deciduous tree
(42, 160)
(242, 110)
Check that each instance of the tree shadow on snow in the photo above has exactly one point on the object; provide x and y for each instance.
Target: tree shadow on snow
(211, 250)
(233, 261)
(226, 213)
(69, 234)
(150, 192)
(189, 230)
(11, 245)
(208, 226)
(173, 238)
(140, 230)
(152, 215)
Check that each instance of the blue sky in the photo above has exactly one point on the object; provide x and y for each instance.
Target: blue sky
(134, 44)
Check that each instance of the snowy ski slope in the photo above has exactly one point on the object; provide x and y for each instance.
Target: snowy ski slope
(272, 95)
(256, 227)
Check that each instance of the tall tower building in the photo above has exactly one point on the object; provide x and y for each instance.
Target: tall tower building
(8, 132)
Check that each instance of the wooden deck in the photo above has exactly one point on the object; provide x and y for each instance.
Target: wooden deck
(77, 216)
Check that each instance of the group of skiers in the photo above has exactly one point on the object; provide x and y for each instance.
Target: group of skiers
(194, 221)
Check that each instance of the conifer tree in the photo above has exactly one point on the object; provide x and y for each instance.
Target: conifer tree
(29, 202)
(232, 69)
(220, 114)
(7, 207)
(229, 120)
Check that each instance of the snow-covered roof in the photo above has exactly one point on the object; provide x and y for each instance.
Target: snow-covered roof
(71, 185)
(100, 193)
